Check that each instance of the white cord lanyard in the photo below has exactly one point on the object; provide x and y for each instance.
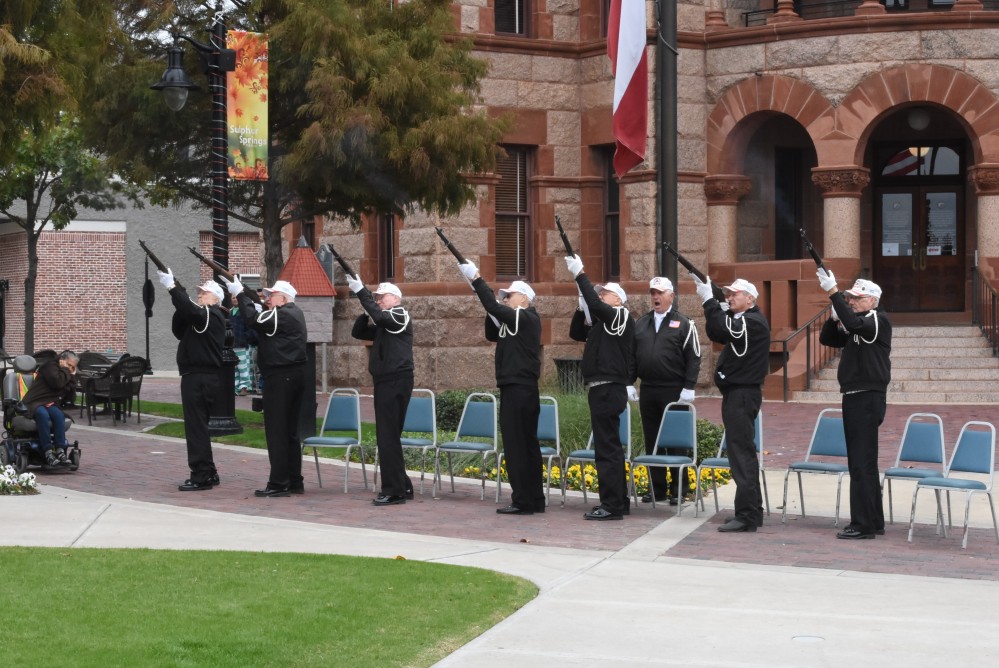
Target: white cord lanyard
(504, 330)
(692, 332)
(269, 314)
(208, 318)
(743, 334)
(620, 322)
(400, 317)
(857, 338)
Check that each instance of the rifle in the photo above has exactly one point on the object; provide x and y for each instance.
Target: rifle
(450, 246)
(223, 272)
(347, 269)
(812, 251)
(716, 292)
(159, 265)
(565, 239)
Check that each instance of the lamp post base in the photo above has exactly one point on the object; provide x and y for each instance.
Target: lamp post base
(223, 422)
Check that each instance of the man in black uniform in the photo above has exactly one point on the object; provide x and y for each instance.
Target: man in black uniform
(200, 328)
(390, 363)
(668, 359)
(603, 322)
(742, 367)
(861, 328)
(515, 327)
(281, 356)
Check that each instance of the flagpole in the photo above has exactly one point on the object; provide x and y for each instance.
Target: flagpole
(666, 131)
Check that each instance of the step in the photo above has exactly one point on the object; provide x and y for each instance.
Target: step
(973, 386)
(940, 343)
(961, 331)
(927, 398)
(933, 362)
(953, 351)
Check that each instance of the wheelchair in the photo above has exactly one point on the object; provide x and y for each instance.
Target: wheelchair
(19, 445)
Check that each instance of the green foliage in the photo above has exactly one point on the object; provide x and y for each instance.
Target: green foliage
(215, 608)
(450, 404)
(709, 436)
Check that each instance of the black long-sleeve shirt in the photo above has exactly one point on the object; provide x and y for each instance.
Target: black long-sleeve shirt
(391, 355)
(281, 334)
(517, 338)
(201, 332)
(866, 342)
(745, 359)
(609, 354)
(670, 357)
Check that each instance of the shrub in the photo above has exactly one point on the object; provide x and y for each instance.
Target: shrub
(450, 403)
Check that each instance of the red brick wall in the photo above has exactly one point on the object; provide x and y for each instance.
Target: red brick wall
(245, 252)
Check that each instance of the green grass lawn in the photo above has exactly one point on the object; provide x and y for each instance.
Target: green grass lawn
(96, 607)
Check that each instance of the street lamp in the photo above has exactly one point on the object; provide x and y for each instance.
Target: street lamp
(216, 60)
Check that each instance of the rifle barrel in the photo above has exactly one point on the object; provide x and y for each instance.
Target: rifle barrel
(450, 246)
(716, 292)
(565, 237)
(159, 264)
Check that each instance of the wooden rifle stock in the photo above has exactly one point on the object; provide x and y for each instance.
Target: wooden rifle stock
(223, 272)
(347, 269)
(159, 265)
(565, 239)
(716, 292)
(812, 251)
(450, 246)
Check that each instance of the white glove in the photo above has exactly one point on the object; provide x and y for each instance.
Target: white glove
(703, 288)
(632, 393)
(259, 308)
(834, 316)
(826, 280)
(355, 283)
(166, 278)
(468, 270)
(723, 304)
(234, 287)
(687, 395)
(586, 311)
(574, 265)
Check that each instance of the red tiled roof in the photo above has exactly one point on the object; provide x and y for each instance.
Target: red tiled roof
(305, 273)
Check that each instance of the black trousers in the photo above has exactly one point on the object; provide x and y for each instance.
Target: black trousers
(284, 391)
(740, 406)
(391, 401)
(606, 403)
(652, 402)
(519, 410)
(197, 395)
(863, 413)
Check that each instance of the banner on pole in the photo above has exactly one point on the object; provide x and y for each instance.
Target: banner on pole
(247, 106)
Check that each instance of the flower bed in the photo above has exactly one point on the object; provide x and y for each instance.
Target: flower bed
(12, 483)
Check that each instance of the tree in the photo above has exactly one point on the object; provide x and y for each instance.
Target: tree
(372, 108)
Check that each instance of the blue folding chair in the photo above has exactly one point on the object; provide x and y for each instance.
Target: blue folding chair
(548, 433)
(589, 455)
(343, 414)
(478, 421)
(677, 431)
(722, 462)
(975, 453)
(922, 443)
(421, 418)
(828, 441)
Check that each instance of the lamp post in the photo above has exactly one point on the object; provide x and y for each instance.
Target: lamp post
(217, 60)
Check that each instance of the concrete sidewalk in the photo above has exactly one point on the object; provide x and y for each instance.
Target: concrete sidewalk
(655, 589)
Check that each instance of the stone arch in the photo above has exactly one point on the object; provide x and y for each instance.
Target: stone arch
(975, 106)
(737, 116)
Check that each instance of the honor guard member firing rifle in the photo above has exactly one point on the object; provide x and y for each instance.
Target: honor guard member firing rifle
(861, 328)
(742, 366)
(390, 363)
(668, 359)
(515, 327)
(282, 356)
(200, 328)
(608, 329)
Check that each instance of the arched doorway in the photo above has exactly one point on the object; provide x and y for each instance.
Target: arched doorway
(919, 236)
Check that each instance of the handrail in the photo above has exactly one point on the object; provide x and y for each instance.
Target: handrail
(815, 360)
(985, 308)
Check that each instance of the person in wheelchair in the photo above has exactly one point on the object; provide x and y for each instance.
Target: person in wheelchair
(54, 381)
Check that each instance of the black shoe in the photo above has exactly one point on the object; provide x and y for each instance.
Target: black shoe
(734, 525)
(63, 458)
(540, 507)
(409, 495)
(51, 460)
(600, 514)
(648, 498)
(214, 479)
(850, 533)
(673, 501)
(386, 500)
(296, 489)
(514, 510)
(880, 532)
(271, 493)
(731, 518)
(195, 486)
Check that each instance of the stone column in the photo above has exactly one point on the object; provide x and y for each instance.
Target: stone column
(967, 6)
(841, 188)
(870, 8)
(985, 176)
(714, 17)
(723, 193)
(785, 13)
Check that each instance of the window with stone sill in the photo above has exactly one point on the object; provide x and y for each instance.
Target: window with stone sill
(513, 220)
(386, 247)
(612, 214)
(510, 17)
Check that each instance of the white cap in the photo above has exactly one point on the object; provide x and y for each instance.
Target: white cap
(865, 288)
(616, 289)
(283, 287)
(519, 287)
(388, 289)
(742, 285)
(661, 283)
(214, 288)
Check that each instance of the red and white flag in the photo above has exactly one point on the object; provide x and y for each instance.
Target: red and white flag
(626, 48)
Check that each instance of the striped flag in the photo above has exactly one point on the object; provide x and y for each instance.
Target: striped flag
(904, 163)
(626, 48)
